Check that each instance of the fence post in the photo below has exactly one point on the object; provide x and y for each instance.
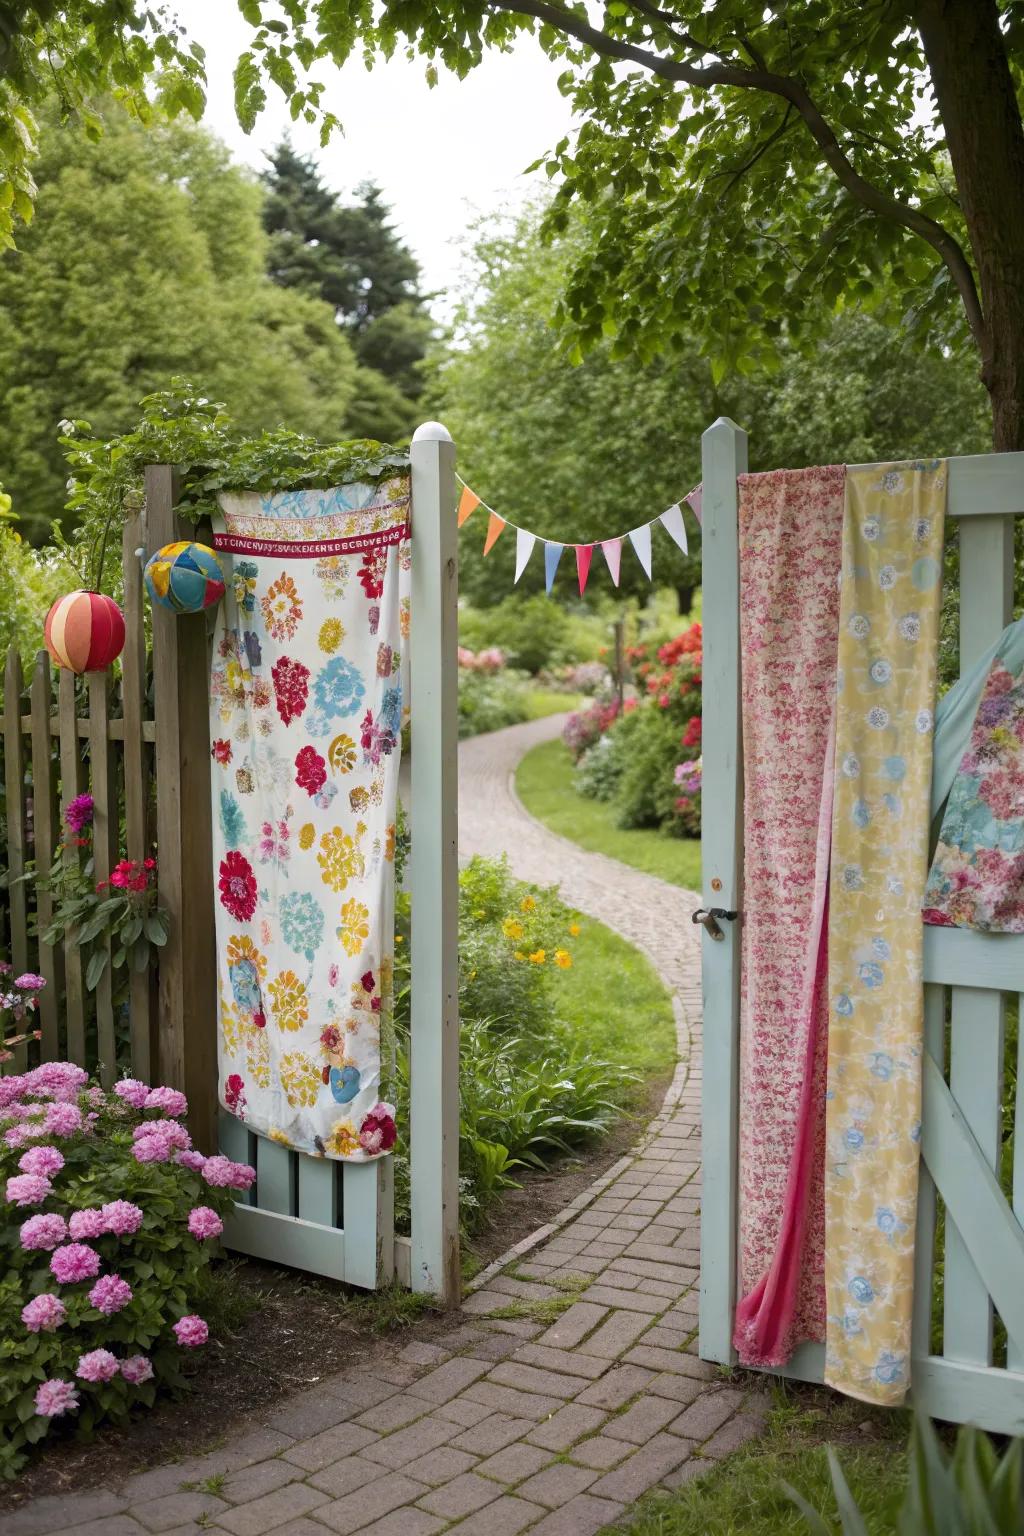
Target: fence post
(434, 1045)
(186, 1007)
(14, 790)
(724, 456)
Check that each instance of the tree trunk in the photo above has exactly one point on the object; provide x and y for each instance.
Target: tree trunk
(974, 91)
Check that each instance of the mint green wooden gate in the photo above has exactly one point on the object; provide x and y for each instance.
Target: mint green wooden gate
(962, 1369)
(337, 1218)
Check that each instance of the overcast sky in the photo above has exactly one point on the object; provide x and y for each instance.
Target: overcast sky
(440, 155)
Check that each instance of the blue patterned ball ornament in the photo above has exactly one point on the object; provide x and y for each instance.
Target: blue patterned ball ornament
(185, 577)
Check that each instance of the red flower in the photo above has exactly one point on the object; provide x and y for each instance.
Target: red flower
(237, 886)
(310, 770)
(692, 735)
(371, 572)
(234, 1093)
(291, 688)
(149, 863)
(367, 982)
(221, 752)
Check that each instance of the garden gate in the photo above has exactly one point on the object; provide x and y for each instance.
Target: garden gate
(971, 1204)
(140, 745)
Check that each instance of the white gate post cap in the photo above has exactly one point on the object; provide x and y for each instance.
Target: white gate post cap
(432, 432)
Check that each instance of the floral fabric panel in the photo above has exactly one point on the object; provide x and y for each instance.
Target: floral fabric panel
(790, 530)
(888, 634)
(306, 716)
(977, 875)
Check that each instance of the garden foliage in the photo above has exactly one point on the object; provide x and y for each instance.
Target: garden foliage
(108, 1219)
(529, 1093)
(645, 759)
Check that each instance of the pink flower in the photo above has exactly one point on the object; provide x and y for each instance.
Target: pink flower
(291, 687)
(170, 1131)
(54, 1398)
(43, 1313)
(137, 1369)
(62, 1119)
(56, 1079)
(11, 1090)
(191, 1331)
(17, 1135)
(122, 1217)
(310, 770)
(89, 1223)
(30, 982)
(203, 1222)
(44, 1231)
(74, 1262)
(79, 812)
(42, 1161)
(132, 1091)
(28, 1189)
(152, 1149)
(237, 886)
(378, 1132)
(110, 1294)
(222, 1173)
(191, 1159)
(97, 1365)
(168, 1099)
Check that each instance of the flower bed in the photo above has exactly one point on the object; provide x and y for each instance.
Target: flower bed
(109, 1217)
(645, 759)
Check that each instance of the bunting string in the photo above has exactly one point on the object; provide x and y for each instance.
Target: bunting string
(639, 539)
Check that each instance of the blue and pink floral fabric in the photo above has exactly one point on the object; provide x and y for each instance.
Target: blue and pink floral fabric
(977, 874)
(306, 716)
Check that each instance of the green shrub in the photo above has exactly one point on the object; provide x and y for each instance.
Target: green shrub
(647, 744)
(535, 633)
(106, 1230)
(488, 701)
(599, 770)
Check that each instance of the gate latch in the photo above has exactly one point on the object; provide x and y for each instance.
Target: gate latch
(709, 917)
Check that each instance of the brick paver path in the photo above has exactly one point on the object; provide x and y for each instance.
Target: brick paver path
(569, 1384)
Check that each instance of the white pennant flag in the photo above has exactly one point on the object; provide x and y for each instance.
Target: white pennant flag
(640, 538)
(524, 549)
(672, 522)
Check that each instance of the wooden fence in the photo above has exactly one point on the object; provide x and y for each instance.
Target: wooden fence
(137, 739)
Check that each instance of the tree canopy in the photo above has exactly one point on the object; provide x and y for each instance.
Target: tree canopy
(585, 452)
(147, 259)
(744, 157)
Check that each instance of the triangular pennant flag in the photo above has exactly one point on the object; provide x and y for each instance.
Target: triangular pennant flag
(495, 527)
(612, 551)
(695, 502)
(468, 503)
(672, 522)
(552, 555)
(640, 538)
(524, 549)
(584, 555)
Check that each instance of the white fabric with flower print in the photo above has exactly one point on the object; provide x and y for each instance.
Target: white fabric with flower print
(305, 725)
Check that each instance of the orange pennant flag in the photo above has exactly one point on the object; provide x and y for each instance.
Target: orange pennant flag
(468, 503)
(495, 526)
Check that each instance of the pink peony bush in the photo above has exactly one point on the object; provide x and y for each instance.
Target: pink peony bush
(109, 1217)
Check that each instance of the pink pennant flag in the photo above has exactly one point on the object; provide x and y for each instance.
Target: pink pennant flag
(584, 555)
(612, 551)
(694, 502)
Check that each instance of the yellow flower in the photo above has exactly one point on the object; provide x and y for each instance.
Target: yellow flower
(300, 1078)
(538, 957)
(241, 947)
(355, 926)
(339, 858)
(527, 904)
(341, 754)
(342, 1140)
(288, 1001)
(257, 1054)
(231, 1027)
(358, 798)
(512, 928)
(332, 633)
(399, 938)
(563, 959)
(389, 844)
(574, 930)
(307, 835)
(519, 955)
(279, 1137)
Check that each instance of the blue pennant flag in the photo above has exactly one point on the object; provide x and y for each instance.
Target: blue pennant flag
(552, 555)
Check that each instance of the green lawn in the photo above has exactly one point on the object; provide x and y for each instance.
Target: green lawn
(546, 701)
(544, 784)
(610, 987)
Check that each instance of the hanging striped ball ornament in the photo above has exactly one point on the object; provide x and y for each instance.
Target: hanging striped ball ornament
(84, 631)
(185, 577)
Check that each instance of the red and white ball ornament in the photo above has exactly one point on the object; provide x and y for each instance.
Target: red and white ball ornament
(84, 631)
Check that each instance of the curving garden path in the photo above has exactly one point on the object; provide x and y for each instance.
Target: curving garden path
(510, 1422)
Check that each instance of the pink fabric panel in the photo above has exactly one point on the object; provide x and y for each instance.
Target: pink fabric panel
(790, 557)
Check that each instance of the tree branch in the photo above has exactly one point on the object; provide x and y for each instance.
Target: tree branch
(738, 174)
(789, 88)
